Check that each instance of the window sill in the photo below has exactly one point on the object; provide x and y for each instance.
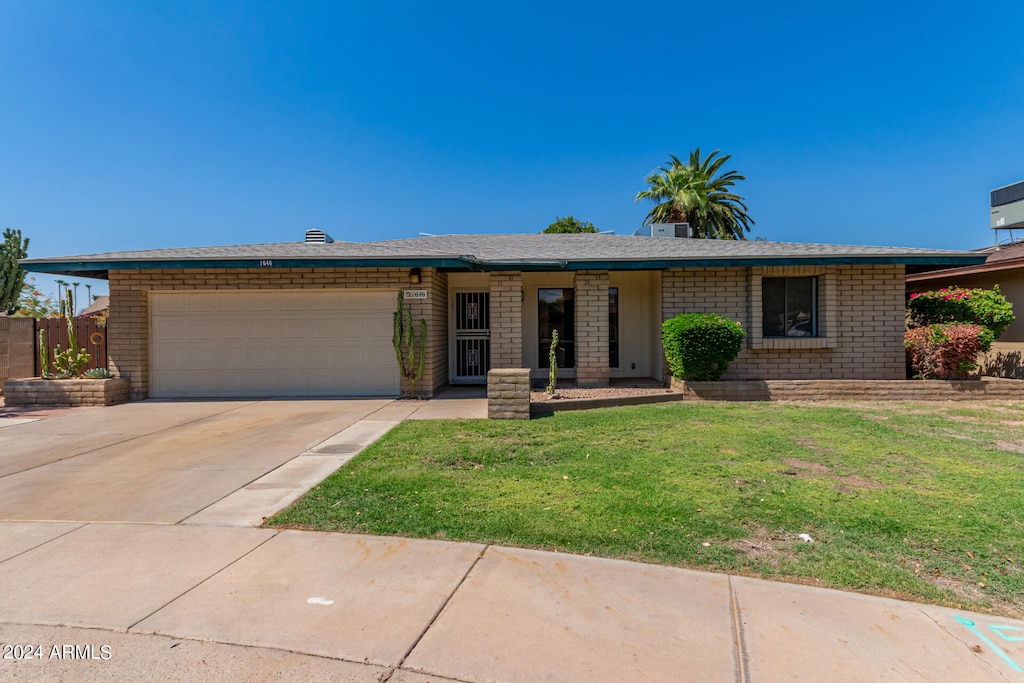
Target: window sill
(781, 343)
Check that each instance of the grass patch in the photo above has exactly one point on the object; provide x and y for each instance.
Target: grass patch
(918, 501)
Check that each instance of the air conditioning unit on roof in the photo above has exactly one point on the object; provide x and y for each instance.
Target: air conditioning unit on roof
(670, 230)
(1008, 207)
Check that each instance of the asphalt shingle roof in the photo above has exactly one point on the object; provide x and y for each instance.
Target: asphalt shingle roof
(510, 251)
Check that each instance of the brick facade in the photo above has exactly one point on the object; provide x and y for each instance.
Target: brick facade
(507, 320)
(128, 321)
(17, 348)
(860, 316)
(861, 320)
(592, 368)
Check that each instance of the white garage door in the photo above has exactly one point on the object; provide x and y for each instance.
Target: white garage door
(277, 343)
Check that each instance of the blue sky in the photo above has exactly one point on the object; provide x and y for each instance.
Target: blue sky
(136, 125)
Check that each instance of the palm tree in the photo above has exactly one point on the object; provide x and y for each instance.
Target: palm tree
(690, 193)
(61, 285)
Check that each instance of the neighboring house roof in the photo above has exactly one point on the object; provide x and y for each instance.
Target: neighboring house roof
(1006, 257)
(505, 252)
(100, 304)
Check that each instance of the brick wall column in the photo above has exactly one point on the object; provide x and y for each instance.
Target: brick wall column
(592, 328)
(508, 394)
(128, 330)
(17, 348)
(507, 320)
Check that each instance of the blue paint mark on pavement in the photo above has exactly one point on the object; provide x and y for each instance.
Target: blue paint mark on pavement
(974, 629)
(999, 629)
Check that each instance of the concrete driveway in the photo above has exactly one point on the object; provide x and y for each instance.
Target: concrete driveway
(163, 462)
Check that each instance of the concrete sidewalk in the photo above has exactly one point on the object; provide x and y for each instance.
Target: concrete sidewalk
(175, 602)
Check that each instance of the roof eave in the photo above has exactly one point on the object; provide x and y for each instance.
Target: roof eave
(1008, 264)
(100, 268)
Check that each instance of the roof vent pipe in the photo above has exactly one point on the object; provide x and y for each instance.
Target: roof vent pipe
(314, 235)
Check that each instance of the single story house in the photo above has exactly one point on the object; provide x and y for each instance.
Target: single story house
(314, 318)
(98, 307)
(1003, 266)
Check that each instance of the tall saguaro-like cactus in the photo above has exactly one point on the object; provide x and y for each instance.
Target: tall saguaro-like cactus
(70, 363)
(44, 356)
(12, 275)
(410, 361)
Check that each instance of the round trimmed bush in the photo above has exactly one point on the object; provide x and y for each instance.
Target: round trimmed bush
(700, 346)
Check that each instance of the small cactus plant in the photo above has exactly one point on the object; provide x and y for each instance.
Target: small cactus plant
(44, 356)
(553, 364)
(405, 341)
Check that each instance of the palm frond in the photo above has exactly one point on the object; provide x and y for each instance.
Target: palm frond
(695, 192)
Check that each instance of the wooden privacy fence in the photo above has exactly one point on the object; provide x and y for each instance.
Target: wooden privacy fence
(91, 337)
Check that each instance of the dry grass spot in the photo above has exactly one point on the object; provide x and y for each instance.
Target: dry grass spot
(762, 545)
(846, 483)
(804, 468)
(962, 589)
(855, 482)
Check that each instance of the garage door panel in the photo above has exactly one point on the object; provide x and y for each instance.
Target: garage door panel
(380, 356)
(385, 329)
(169, 330)
(196, 305)
(327, 302)
(286, 343)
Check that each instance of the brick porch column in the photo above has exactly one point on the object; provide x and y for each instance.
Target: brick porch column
(592, 328)
(506, 320)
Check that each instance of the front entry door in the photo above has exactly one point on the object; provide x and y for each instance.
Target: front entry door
(472, 337)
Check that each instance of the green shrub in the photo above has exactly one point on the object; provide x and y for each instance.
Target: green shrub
(954, 305)
(945, 351)
(700, 346)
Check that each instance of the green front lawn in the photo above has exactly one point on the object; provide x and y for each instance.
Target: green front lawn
(920, 501)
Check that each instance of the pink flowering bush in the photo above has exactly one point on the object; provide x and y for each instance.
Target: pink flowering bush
(944, 351)
(985, 307)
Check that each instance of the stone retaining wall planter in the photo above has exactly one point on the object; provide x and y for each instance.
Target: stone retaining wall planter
(540, 408)
(852, 390)
(66, 392)
(986, 388)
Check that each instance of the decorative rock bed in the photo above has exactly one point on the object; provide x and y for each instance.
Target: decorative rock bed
(66, 392)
